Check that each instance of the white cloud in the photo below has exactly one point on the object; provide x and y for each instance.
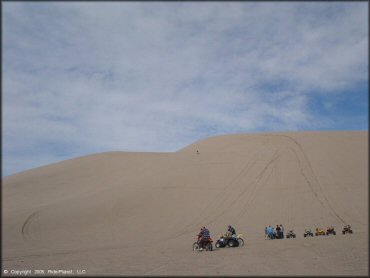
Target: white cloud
(92, 77)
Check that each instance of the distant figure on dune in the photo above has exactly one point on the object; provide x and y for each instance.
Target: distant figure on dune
(197, 152)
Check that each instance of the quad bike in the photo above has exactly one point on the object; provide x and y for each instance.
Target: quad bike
(347, 229)
(291, 234)
(330, 230)
(227, 241)
(207, 245)
(319, 232)
(307, 232)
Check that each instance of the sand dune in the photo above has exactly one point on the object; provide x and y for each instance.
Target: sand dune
(122, 213)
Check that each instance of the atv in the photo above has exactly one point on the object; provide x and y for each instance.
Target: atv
(347, 229)
(330, 230)
(308, 232)
(290, 234)
(319, 232)
(227, 241)
(207, 245)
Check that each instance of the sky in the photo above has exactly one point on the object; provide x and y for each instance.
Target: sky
(87, 77)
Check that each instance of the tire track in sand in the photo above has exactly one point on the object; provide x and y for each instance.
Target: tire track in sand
(27, 223)
(248, 189)
(220, 197)
(252, 189)
(310, 176)
(267, 173)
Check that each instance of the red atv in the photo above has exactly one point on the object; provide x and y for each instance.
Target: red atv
(330, 230)
(207, 245)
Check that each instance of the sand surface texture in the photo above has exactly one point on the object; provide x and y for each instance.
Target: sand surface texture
(122, 213)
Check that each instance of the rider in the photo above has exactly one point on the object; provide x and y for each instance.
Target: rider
(231, 230)
(200, 233)
(203, 237)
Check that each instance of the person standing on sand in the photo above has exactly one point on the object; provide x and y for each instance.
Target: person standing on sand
(265, 232)
(278, 235)
(270, 232)
(282, 230)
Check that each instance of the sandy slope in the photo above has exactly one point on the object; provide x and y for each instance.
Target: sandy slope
(138, 213)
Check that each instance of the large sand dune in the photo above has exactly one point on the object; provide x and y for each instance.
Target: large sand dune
(121, 213)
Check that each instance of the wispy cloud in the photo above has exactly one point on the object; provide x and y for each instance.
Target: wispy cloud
(81, 78)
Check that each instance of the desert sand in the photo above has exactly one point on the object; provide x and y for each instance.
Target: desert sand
(124, 213)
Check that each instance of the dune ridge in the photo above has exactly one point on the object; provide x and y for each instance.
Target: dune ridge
(125, 213)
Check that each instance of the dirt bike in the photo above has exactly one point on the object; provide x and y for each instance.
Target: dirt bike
(207, 245)
(233, 241)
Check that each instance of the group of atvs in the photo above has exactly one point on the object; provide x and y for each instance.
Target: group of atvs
(225, 240)
(329, 231)
(318, 232)
(228, 240)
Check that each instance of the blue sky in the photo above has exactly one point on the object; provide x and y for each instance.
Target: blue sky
(88, 77)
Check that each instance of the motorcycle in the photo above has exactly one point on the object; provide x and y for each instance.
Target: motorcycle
(207, 245)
